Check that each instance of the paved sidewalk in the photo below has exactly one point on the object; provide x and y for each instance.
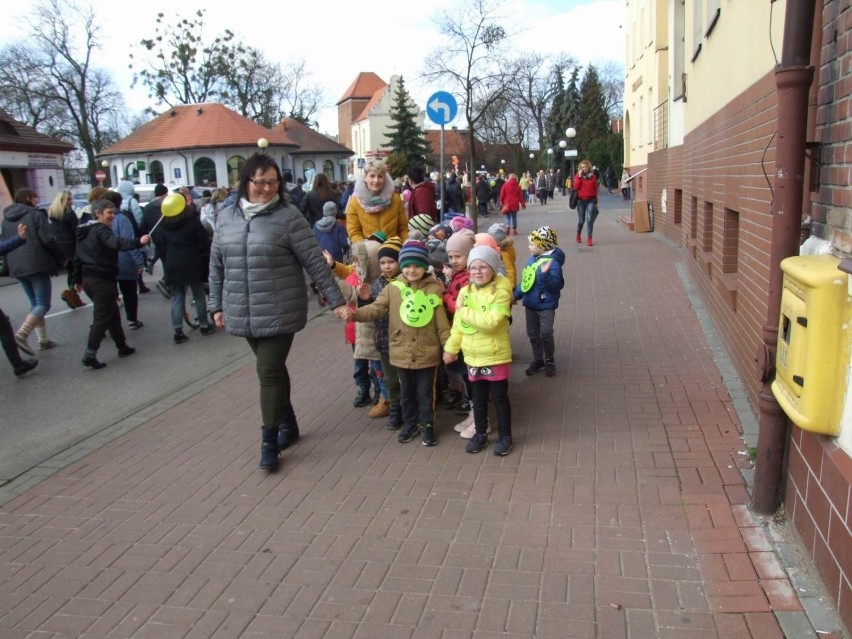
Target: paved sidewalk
(621, 511)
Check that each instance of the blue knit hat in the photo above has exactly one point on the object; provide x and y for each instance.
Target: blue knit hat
(414, 253)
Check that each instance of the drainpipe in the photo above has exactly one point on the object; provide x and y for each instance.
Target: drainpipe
(793, 79)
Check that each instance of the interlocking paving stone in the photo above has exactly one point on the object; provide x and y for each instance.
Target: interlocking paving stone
(621, 511)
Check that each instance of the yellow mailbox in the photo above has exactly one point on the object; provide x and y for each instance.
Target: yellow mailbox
(813, 343)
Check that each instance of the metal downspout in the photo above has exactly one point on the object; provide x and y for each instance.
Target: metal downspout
(793, 79)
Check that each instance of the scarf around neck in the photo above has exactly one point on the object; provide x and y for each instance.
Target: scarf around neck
(250, 209)
(374, 203)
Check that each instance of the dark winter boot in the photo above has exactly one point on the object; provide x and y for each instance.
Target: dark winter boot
(362, 397)
(288, 429)
(268, 448)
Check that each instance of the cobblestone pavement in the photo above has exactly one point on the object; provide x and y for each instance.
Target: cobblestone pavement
(621, 511)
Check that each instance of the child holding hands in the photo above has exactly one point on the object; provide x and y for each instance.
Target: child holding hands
(481, 330)
(418, 328)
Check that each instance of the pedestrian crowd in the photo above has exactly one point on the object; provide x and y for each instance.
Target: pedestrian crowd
(425, 300)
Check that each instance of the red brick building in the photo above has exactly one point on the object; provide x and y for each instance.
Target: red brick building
(715, 177)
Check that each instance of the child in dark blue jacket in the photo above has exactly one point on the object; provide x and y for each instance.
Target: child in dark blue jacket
(539, 290)
(330, 234)
(7, 335)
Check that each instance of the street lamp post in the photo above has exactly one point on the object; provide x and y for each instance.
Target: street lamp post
(570, 132)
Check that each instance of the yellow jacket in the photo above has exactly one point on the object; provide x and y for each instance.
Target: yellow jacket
(360, 225)
(487, 310)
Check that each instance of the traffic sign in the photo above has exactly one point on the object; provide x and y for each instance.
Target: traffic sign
(100, 175)
(441, 107)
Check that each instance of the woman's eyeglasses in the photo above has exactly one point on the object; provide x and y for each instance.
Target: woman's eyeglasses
(263, 183)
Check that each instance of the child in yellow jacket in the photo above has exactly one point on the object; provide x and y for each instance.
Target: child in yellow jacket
(481, 330)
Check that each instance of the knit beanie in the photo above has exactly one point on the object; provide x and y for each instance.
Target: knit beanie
(461, 242)
(421, 222)
(460, 222)
(329, 209)
(378, 236)
(444, 228)
(414, 253)
(498, 232)
(544, 238)
(487, 255)
(391, 248)
(483, 239)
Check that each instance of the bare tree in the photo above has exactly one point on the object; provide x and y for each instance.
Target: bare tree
(612, 84)
(181, 68)
(469, 61)
(302, 98)
(52, 78)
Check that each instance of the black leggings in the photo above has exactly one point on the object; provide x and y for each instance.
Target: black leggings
(271, 353)
(499, 392)
(130, 293)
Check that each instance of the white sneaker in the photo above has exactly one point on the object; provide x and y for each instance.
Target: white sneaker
(462, 425)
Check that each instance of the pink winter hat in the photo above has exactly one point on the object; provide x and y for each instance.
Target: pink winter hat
(461, 242)
(460, 222)
(483, 239)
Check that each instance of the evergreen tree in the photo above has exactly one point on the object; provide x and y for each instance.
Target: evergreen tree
(405, 138)
(572, 100)
(555, 119)
(593, 122)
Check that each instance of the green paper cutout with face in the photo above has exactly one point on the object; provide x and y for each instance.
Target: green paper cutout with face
(528, 274)
(417, 308)
(464, 326)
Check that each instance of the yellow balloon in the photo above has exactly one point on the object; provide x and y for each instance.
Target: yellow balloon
(173, 204)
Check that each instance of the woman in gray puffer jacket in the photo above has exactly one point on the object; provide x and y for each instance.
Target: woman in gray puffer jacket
(258, 291)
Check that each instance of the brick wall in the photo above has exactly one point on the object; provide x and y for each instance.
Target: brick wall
(816, 499)
(831, 207)
(665, 175)
(819, 473)
(725, 217)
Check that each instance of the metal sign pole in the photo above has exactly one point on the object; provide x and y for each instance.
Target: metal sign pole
(441, 209)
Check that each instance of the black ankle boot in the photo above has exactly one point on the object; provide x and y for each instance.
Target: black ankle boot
(92, 362)
(287, 434)
(25, 366)
(362, 397)
(268, 448)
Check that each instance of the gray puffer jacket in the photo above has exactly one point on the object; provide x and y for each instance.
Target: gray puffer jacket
(256, 276)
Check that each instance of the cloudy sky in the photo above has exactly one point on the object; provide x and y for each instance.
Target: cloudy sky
(340, 39)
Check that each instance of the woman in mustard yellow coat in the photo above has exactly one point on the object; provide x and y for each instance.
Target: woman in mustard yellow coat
(375, 206)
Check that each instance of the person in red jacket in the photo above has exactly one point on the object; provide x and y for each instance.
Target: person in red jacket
(511, 201)
(586, 185)
(422, 198)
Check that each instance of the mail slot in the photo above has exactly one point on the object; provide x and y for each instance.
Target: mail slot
(813, 343)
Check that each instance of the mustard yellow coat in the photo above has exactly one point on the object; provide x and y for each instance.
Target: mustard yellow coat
(360, 225)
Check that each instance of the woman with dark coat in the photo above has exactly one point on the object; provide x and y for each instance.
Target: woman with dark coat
(63, 224)
(320, 193)
(261, 250)
(184, 247)
(95, 271)
(33, 265)
(7, 335)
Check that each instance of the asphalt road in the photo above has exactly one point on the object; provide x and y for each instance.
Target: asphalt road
(62, 402)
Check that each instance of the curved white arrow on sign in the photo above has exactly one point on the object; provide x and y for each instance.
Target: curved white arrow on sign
(437, 105)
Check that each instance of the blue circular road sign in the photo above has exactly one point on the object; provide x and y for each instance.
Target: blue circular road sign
(441, 107)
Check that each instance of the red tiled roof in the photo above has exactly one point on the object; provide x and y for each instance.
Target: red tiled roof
(363, 87)
(17, 136)
(308, 140)
(372, 103)
(193, 126)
